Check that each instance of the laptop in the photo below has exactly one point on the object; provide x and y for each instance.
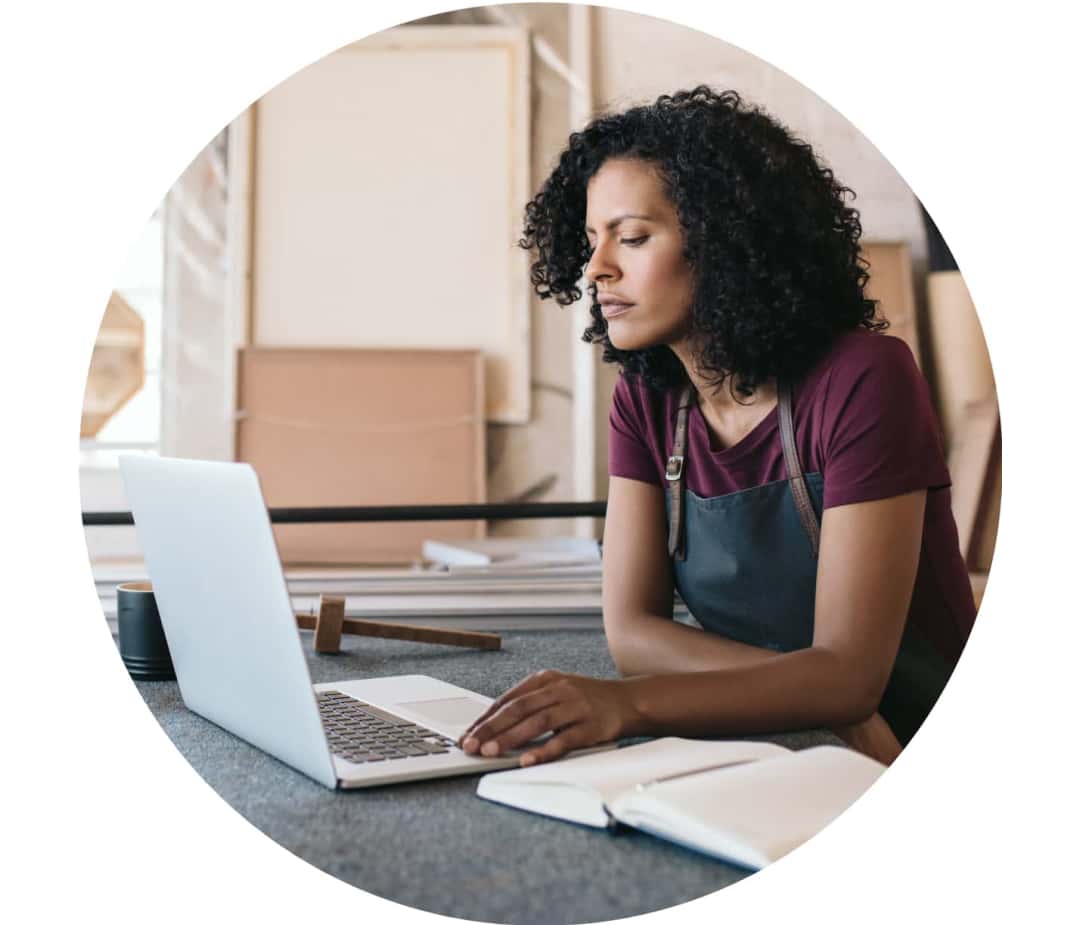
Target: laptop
(236, 648)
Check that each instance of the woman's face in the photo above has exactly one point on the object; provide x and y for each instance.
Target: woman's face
(644, 284)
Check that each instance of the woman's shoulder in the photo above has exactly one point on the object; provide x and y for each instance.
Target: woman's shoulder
(862, 356)
(862, 347)
(632, 392)
(870, 392)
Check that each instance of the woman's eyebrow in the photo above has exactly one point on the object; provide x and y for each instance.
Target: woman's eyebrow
(622, 218)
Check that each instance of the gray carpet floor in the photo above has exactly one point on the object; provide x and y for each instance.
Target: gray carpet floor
(434, 845)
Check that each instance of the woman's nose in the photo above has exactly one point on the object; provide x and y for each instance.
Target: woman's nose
(600, 265)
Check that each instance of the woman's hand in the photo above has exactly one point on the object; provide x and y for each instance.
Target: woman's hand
(873, 737)
(580, 711)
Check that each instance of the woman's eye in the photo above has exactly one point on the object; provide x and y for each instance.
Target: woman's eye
(635, 242)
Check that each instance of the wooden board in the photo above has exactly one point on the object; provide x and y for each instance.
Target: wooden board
(892, 284)
(117, 365)
(967, 402)
(984, 540)
(978, 586)
(336, 427)
(970, 458)
(387, 192)
(963, 374)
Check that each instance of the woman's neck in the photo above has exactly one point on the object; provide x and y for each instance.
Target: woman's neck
(723, 398)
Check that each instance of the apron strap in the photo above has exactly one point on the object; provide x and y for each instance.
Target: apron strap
(674, 473)
(807, 514)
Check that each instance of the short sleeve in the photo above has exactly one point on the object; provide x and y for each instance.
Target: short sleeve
(880, 433)
(629, 454)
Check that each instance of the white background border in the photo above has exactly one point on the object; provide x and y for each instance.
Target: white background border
(105, 103)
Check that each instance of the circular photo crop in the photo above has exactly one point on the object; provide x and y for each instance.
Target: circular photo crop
(540, 463)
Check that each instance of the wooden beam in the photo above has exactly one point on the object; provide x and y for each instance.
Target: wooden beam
(465, 638)
(969, 466)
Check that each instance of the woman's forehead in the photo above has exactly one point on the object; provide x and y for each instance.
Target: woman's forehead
(624, 189)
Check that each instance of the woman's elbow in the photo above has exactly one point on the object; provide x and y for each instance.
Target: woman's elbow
(621, 647)
(622, 656)
(855, 709)
(857, 692)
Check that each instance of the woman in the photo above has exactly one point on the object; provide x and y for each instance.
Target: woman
(773, 455)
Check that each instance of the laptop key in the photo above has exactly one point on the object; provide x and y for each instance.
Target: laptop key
(381, 714)
(361, 732)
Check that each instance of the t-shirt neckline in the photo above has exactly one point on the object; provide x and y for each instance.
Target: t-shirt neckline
(752, 441)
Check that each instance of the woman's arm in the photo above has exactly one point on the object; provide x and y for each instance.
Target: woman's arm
(866, 571)
(641, 634)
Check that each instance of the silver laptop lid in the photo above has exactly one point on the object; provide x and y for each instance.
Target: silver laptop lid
(217, 578)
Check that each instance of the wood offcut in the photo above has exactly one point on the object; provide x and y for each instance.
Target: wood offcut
(331, 623)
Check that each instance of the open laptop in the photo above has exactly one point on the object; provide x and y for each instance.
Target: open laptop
(233, 637)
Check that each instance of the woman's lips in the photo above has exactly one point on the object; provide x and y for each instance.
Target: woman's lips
(614, 309)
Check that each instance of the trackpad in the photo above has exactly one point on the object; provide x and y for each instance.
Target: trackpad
(448, 711)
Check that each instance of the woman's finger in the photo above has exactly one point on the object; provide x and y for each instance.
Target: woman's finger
(499, 702)
(510, 715)
(575, 736)
(533, 681)
(547, 719)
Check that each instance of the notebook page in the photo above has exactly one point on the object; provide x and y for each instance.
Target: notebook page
(607, 774)
(754, 813)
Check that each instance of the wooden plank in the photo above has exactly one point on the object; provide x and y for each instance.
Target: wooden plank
(984, 540)
(892, 284)
(117, 365)
(969, 464)
(963, 374)
(978, 586)
(351, 184)
(334, 427)
(239, 225)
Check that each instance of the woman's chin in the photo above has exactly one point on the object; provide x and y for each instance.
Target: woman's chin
(622, 337)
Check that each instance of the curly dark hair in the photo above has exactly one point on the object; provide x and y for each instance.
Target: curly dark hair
(773, 248)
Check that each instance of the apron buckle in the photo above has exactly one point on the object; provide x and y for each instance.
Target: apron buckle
(673, 472)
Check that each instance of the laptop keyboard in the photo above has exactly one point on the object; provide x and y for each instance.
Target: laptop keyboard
(359, 732)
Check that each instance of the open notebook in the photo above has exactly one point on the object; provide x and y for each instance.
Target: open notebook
(746, 802)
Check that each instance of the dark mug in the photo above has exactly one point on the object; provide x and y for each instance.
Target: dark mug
(142, 640)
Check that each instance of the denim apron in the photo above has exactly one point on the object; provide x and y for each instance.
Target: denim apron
(745, 564)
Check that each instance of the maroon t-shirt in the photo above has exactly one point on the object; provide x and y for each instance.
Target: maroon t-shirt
(864, 420)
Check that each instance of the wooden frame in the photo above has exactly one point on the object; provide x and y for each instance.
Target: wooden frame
(589, 418)
(508, 372)
(239, 221)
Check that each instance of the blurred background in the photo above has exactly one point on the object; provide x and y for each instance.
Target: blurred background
(332, 292)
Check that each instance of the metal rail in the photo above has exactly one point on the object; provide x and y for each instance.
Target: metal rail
(384, 514)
